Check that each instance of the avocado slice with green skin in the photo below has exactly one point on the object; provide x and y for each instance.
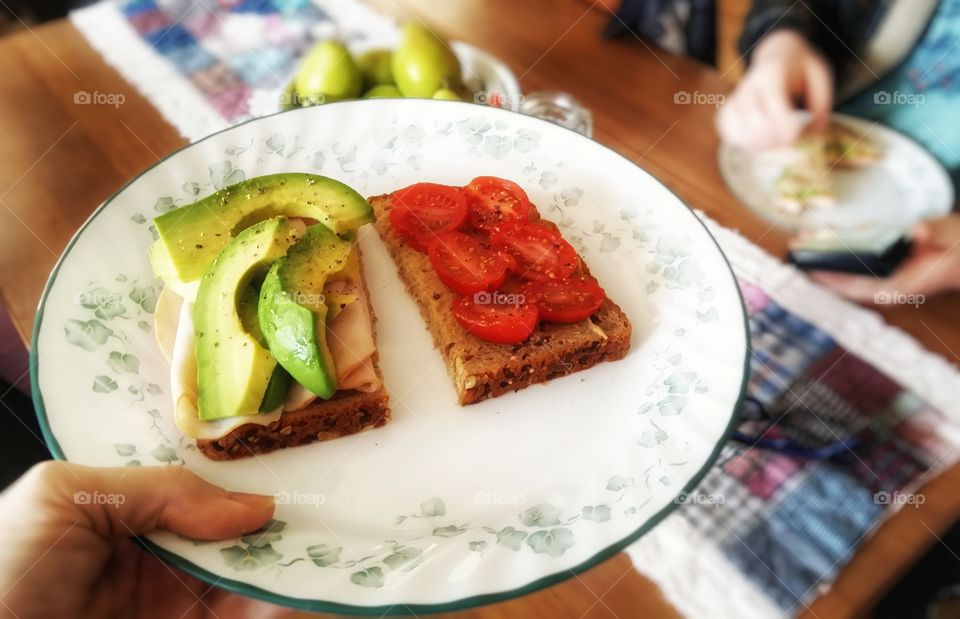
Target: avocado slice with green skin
(279, 383)
(277, 388)
(233, 367)
(293, 311)
(190, 237)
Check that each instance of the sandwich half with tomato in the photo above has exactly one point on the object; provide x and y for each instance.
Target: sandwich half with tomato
(508, 301)
(265, 318)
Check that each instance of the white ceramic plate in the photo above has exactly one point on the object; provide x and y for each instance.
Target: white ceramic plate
(445, 507)
(907, 185)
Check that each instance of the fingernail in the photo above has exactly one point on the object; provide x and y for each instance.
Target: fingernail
(256, 501)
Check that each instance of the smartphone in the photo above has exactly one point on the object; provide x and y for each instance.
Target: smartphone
(872, 251)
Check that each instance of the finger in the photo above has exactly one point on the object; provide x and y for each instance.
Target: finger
(926, 272)
(923, 273)
(855, 287)
(737, 119)
(779, 114)
(726, 122)
(819, 93)
(133, 501)
(923, 234)
(755, 124)
(942, 232)
(731, 120)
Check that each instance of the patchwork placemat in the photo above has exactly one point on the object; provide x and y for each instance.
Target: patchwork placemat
(765, 532)
(209, 64)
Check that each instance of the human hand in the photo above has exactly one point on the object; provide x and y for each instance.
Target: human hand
(785, 71)
(933, 266)
(64, 557)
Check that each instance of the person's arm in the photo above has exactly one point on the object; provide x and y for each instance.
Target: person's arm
(793, 50)
(817, 21)
(786, 74)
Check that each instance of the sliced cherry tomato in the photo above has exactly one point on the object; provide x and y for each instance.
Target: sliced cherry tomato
(513, 285)
(568, 301)
(500, 323)
(467, 264)
(494, 201)
(541, 253)
(422, 211)
(508, 259)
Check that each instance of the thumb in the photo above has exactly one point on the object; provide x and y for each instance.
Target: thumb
(819, 93)
(860, 288)
(132, 501)
(938, 233)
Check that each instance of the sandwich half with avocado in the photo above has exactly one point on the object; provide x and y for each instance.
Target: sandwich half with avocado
(807, 182)
(841, 146)
(265, 318)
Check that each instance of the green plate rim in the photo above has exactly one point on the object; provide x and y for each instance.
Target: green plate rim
(399, 608)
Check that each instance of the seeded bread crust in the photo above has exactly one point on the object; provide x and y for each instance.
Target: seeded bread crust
(346, 413)
(480, 369)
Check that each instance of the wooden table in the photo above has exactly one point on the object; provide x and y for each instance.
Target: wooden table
(60, 160)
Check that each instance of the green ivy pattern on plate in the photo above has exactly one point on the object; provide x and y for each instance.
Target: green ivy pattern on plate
(100, 328)
(110, 313)
(540, 529)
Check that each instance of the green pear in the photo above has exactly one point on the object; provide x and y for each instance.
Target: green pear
(446, 94)
(289, 99)
(328, 73)
(376, 66)
(383, 91)
(423, 63)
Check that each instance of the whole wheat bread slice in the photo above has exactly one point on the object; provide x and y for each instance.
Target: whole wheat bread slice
(482, 370)
(347, 412)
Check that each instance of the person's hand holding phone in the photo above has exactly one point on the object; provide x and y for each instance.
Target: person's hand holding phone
(933, 266)
(786, 73)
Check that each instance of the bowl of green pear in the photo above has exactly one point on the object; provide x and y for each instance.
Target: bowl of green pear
(422, 66)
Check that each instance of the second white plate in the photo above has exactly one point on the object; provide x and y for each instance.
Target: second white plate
(905, 186)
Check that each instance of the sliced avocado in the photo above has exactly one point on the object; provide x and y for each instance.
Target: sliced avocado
(279, 383)
(277, 389)
(191, 236)
(163, 268)
(233, 368)
(247, 311)
(293, 310)
(351, 272)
